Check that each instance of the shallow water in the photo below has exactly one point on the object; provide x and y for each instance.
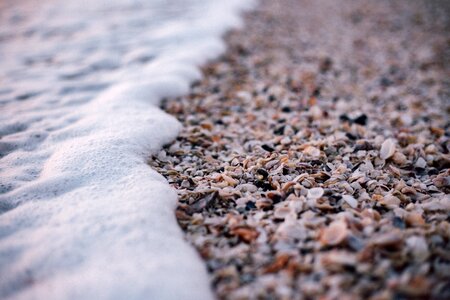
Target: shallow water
(81, 214)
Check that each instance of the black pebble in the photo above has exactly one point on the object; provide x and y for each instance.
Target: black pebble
(276, 198)
(385, 82)
(279, 130)
(264, 185)
(262, 172)
(216, 89)
(316, 92)
(364, 146)
(250, 205)
(344, 118)
(361, 120)
(399, 223)
(351, 136)
(267, 148)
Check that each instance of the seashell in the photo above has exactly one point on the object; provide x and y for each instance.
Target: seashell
(245, 233)
(286, 186)
(282, 212)
(420, 163)
(296, 205)
(387, 149)
(285, 141)
(391, 238)
(408, 190)
(395, 171)
(207, 125)
(371, 214)
(337, 260)
(228, 192)
(315, 193)
(399, 158)
(229, 180)
(415, 288)
(348, 188)
(290, 230)
(272, 163)
(264, 203)
(356, 186)
(442, 180)
(274, 196)
(321, 204)
(312, 151)
(431, 149)
(307, 183)
(350, 200)
(278, 264)
(390, 201)
(316, 112)
(437, 205)
(334, 234)
(205, 202)
(247, 187)
(185, 184)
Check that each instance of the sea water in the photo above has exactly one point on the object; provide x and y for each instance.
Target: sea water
(82, 216)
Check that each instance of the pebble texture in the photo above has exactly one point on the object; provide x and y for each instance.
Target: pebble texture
(314, 159)
(82, 215)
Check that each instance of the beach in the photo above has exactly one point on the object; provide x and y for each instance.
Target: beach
(313, 162)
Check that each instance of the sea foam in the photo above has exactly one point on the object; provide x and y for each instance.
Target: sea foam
(82, 214)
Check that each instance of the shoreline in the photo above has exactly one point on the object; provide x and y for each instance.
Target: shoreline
(309, 165)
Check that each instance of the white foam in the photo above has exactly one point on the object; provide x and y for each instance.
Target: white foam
(95, 221)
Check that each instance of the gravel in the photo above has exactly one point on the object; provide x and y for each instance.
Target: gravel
(314, 159)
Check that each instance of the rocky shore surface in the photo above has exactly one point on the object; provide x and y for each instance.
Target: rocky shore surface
(314, 159)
